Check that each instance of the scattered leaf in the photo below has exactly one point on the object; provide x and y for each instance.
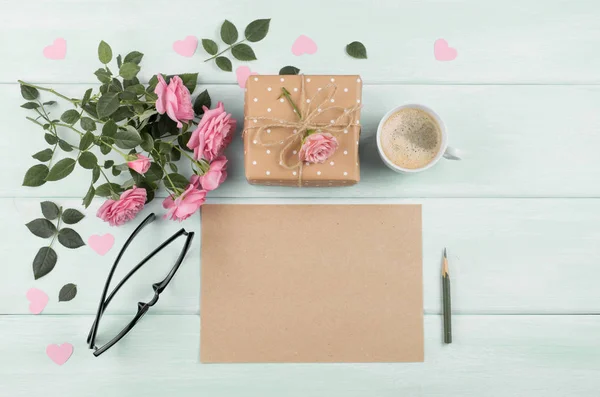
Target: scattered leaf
(29, 93)
(67, 292)
(128, 138)
(70, 238)
(243, 52)
(89, 196)
(70, 116)
(224, 64)
(71, 216)
(41, 227)
(257, 30)
(36, 175)
(49, 210)
(64, 145)
(61, 169)
(210, 46)
(44, 155)
(229, 33)
(356, 49)
(107, 104)
(86, 97)
(104, 190)
(44, 262)
(88, 160)
(30, 105)
(288, 70)
(86, 140)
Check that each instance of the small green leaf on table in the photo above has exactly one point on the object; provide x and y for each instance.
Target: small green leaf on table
(86, 140)
(41, 227)
(44, 262)
(44, 155)
(61, 169)
(289, 70)
(224, 64)
(70, 116)
(257, 30)
(29, 93)
(202, 100)
(71, 216)
(49, 210)
(88, 160)
(356, 49)
(67, 292)
(229, 33)
(243, 52)
(30, 105)
(70, 238)
(210, 46)
(36, 175)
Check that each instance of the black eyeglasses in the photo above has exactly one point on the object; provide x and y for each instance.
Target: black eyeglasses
(157, 287)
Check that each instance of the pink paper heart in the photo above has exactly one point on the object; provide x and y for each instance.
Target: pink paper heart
(304, 45)
(57, 50)
(59, 354)
(37, 300)
(242, 73)
(101, 244)
(186, 47)
(443, 52)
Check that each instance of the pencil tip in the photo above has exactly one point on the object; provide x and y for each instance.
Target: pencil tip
(445, 256)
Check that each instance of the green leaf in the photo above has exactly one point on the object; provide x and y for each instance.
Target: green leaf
(229, 33)
(201, 100)
(356, 49)
(210, 46)
(104, 190)
(127, 96)
(104, 149)
(137, 89)
(29, 93)
(223, 63)
(154, 173)
(41, 227)
(89, 196)
(189, 80)
(70, 238)
(147, 142)
(173, 167)
(103, 76)
(49, 103)
(115, 172)
(30, 105)
(95, 174)
(90, 108)
(109, 129)
(36, 175)
(119, 60)
(70, 116)
(289, 70)
(133, 57)
(104, 53)
(64, 145)
(44, 155)
(183, 140)
(115, 85)
(128, 183)
(129, 70)
(257, 30)
(71, 216)
(243, 52)
(87, 124)
(179, 181)
(107, 104)
(86, 141)
(61, 169)
(67, 292)
(164, 147)
(128, 138)
(50, 210)
(88, 160)
(51, 139)
(108, 164)
(175, 154)
(121, 114)
(44, 262)
(86, 97)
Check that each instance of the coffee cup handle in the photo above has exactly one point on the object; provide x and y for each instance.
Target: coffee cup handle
(452, 153)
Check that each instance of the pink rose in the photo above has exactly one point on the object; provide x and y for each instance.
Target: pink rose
(213, 134)
(117, 212)
(216, 174)
(174, 99)
(186, 204)
(318, 147)
(141, 165)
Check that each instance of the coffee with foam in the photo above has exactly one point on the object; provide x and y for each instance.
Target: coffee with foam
(411, 138)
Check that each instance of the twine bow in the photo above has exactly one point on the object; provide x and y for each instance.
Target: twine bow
(309, 111)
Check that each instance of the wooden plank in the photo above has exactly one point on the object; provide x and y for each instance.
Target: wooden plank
(518, 141)
(512, 41)
(507, 256)
(494, 356)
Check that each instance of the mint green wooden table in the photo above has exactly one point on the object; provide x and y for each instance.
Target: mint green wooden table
(520, 215)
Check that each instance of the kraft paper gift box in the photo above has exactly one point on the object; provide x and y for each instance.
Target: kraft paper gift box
(273, 131)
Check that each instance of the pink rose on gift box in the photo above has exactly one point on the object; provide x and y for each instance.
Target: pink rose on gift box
(213, 134)
(174, 99)
(216, 174)
(141, 165)
(117, 212)
(187, 203)
(318, 147)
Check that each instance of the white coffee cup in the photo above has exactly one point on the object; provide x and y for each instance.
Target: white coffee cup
(445, 151)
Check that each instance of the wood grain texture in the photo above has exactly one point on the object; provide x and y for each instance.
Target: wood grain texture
(517, 141)
(538, 354)
(511, 41)
(521, 256)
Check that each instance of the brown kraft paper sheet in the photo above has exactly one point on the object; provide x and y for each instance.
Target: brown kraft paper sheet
(311, 283)
(263, 103)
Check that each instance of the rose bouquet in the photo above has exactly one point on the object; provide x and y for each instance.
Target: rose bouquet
(150, 128)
